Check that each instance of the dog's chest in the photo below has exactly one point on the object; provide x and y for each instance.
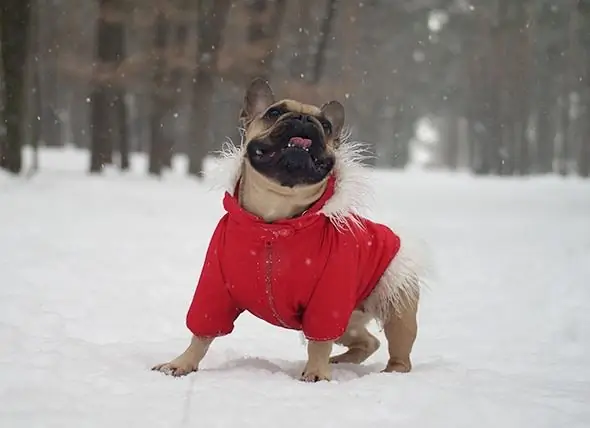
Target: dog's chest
(274, 277)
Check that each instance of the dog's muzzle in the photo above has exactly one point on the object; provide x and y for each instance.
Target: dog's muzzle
(294, 152)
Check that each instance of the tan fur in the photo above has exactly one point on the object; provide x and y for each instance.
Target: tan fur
(318, 361)
(189, 360)
(264, 197)
(256, 127)
(394, 301)
(270, 201)
(360, 343)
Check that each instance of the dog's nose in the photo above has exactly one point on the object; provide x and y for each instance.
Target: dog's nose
(305, 118)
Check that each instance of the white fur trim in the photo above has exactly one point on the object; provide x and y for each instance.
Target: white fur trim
(402, 282)
(351, 190)
(227, 166)
(352, 187)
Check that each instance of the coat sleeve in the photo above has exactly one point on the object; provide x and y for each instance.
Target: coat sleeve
(212, 312)
(333, 300)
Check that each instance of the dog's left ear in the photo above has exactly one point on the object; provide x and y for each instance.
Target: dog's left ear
(258, 97)
(334, 112)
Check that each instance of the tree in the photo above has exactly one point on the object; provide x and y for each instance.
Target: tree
(265, 20)
(324, 36)
(48, 52)
(583, 155)
(212, 16)
(158, 114)
(14, 35)
(34, 100)
(108, 116)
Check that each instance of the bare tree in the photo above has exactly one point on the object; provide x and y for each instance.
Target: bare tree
(158, 114)
(324, 37)
(583, 154)
(34, 99)
(301, 57)
(212, 16)
(178, 37)
(48, 51)
(107, 98)
(265, 20)
(14, 34)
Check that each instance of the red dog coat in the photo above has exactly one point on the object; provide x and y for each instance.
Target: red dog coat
(302, 273)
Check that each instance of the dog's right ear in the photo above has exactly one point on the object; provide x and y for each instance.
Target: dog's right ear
(258, 97)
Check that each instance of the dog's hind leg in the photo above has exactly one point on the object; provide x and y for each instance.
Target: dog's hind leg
(361, 344)
(400, 330)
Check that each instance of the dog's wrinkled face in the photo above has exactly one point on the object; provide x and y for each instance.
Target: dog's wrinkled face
(289, 142)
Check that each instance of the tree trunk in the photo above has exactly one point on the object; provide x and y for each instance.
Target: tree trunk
(106, 120)
(158, 114)
(403, 131)
(35, 102)
(265, 21)
(100, 133)
(35, 119)
(584, 152)
(49, 47)
(212, 19)
(325, 34)
(451, 139)
(545, 125)
(547, 69)
(522, 86)
(487, 125)
(583, 149)
(14, 34)
(563, 152)
(178, 36)
(120, 108)
(300, 61)
(496, 149)
(567, 85)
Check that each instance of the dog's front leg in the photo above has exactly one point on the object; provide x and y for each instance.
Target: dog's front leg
(189, 360)
(318, 361)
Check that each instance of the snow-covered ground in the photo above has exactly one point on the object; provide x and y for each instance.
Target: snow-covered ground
(96, 274)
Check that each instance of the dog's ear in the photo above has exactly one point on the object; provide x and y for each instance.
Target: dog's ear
(334, 112)
(258, 97)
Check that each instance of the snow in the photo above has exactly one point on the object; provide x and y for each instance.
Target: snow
(96, 274)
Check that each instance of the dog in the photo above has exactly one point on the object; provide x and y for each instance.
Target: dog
(294, 250)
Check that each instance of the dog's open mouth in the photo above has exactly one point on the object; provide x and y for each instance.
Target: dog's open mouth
(300, 143)
(292, 159)
(299, 152)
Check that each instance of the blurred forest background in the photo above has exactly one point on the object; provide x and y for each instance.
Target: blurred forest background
(504, 84)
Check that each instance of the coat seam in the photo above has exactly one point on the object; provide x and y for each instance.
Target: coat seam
(269, 284)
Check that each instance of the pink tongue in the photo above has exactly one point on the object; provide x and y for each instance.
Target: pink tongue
(301, 142)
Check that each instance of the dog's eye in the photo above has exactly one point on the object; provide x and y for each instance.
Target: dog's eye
(327, 126)
(273, 113)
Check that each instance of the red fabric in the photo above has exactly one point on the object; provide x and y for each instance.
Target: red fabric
(301, 273)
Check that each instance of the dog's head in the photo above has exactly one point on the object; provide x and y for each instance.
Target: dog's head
(289, 142)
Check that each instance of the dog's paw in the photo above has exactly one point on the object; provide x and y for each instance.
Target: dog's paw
(316, 375)
(397, 367)
(352, 356)
(175, 368)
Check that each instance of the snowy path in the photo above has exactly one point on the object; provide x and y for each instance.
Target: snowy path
(96, 275)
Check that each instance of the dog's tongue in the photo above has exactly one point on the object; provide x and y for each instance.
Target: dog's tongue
(300, 142)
